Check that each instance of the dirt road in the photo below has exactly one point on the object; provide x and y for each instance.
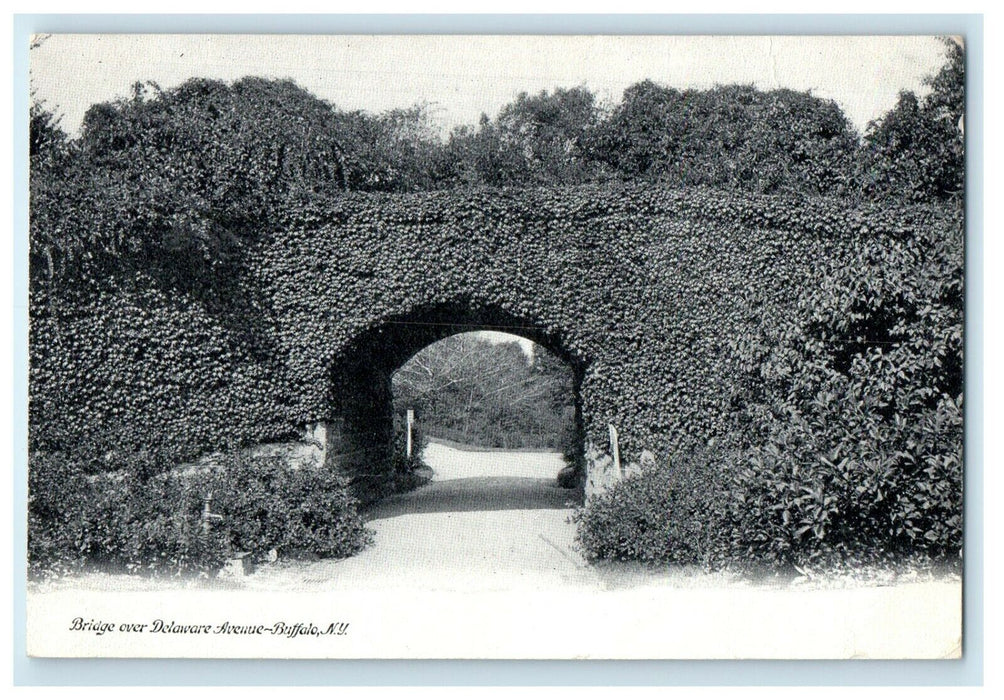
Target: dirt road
(488, 521)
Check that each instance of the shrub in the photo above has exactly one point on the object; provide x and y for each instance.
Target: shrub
(266, 504)
(677, 514)
(54, 489)
(128, 521)
(857, 432)
(122, 521)
(841, 488)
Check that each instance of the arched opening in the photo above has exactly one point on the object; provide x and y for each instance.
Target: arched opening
(488, 391)
(376, 381)
(487, 405)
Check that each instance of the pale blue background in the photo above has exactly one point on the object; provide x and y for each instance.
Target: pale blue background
(967, 671)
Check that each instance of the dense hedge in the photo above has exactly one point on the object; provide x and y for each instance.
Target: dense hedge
(676, 513)
(640, 289)
(136, 368)
(137, 522)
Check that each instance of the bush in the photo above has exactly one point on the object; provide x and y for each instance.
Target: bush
(122, 521)
(54, 489)
(882, 496)
(409, 473)
(916, 151)
(127, 521)
(857, 427)
(266, 504)
(827, 491)
(677, 514)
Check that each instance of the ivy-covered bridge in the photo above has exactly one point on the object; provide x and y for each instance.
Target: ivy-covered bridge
(651, 295)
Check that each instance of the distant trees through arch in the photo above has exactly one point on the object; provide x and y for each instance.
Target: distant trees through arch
(489, 391)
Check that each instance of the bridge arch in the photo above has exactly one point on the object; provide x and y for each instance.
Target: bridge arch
(358, 428)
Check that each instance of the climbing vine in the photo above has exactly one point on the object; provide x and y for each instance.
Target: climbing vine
(639, 288)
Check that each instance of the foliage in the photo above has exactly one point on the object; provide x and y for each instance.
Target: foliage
(120, 521)
(409, 472)
(236, 340)
(536, 140)
(475, 391)
(848, 443)
(134, 521)
(129, 371)
(47, 141)
(948, 85)
(173, 182)
(200, 280)
(265, 504)
(396, 151)
(51, 185)
(734, 136)
(730, 136)
(675, 513)
(858, 432)
(917, 151)
(637, 288)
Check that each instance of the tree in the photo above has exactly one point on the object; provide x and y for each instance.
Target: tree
(535, 140)
(174, 182)
(732, 136)
(948, 86)
(395, 151)
(468, 388)
(916, 151)
(642, 134)
(46, 139)
(48, 156)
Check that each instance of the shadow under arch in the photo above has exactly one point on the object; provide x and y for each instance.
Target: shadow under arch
(359, 432)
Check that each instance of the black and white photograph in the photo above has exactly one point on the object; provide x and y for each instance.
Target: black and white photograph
(496, 346)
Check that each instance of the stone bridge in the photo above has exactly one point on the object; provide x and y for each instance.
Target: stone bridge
(657, 299)
(644, 291)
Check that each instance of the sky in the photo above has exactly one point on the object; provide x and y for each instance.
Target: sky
(461, 77)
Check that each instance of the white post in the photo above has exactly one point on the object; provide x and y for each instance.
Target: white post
(411, 420)
(207, 513)
(615, 450)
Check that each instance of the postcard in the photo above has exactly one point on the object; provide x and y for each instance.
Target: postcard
(503, 347)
